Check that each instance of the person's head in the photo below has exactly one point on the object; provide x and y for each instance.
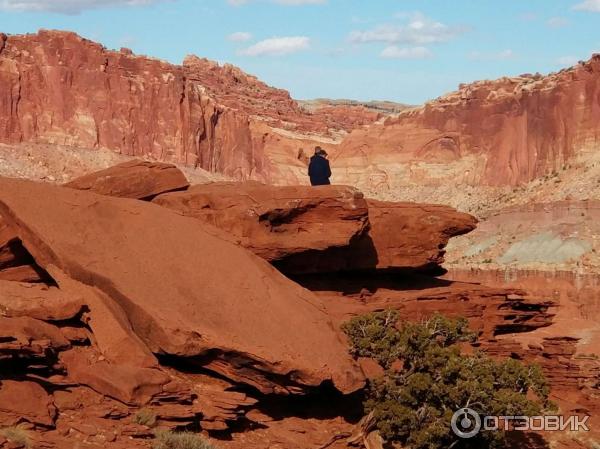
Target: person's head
(320, 152)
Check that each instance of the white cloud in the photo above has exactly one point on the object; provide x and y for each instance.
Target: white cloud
(278, 46)
(567, 60)
(493, 56)
(418, 30)
(395, 52)
(557, 22)
(281, 2)
(588, 5)
(67, 6)
(240, 36)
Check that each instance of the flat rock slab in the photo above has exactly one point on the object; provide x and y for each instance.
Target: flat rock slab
(133, 179)
(275, 222)
(186, 292)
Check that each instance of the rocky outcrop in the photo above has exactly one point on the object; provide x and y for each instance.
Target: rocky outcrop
(502, 132)
(306, 230)
(187, 269)
(168, 319)
(401, 236)
(276, 222)
(133, 179)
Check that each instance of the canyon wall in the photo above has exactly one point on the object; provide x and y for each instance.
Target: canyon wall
(496, 133)
(58, 88)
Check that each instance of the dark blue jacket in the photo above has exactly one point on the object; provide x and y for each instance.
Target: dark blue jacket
(319, 171)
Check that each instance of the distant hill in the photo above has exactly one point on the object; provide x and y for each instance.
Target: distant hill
(383, 107)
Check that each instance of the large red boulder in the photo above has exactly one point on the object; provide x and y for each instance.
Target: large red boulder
(133, 179)
(315, 230)
(410, 235)
(275, 222)
(186, 292)
(401, 236)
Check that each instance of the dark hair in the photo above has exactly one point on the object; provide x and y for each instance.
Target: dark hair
(320, 151)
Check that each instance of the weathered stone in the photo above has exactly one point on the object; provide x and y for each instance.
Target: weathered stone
(185, 292)
(133, 179)
(403, 236)
(275, 222)
(25, 401)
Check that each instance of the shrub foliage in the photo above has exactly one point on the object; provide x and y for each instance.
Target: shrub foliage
(180, 440)
(427, 379)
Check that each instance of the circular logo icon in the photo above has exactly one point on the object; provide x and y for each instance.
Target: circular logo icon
(466, 423)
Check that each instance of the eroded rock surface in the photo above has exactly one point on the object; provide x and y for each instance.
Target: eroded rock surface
(329, 229)
(405, 236)
(167, 316)
(133, 179)
(502, 132)
(179, 292)
(275, 222)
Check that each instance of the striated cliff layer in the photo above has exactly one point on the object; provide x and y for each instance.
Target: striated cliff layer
(58, 88)
(504, 132)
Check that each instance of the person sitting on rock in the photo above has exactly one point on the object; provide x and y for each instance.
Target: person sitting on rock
(319, 170)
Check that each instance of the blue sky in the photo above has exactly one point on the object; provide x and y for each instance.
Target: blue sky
(403, 50)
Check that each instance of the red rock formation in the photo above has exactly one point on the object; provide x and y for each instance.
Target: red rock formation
(58, 88)
(401, 236)
(275, 222)
(166, 314)
(133, 179)
(174, 281)
(25, 401)
(140, 106)
(307, 230)
(16, 264)
(502, 132)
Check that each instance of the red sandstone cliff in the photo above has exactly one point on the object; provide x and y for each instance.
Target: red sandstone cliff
(502, 132)
(58, 88)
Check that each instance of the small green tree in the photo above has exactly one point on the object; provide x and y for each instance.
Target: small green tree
(427, 379)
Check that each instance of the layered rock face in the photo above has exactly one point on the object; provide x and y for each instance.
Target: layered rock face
(139, 106)
(57, 88)
(502, 132)
(218, 118)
